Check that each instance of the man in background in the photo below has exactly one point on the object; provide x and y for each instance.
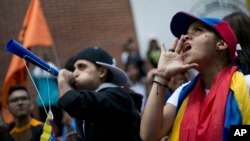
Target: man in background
(20, 106)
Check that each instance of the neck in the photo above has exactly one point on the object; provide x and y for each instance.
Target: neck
(21, 121)
(208, 74)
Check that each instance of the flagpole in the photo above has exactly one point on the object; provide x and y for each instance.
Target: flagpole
(54, 51)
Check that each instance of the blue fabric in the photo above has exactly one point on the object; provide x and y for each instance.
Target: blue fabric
(233, 115)
(43, 84)
(185, 91)
(181, 21)
(211, 21)
(65, 129)
(168, 94)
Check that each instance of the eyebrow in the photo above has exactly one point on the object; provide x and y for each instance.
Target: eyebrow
(199, 25)
(19, 97)
(80, 64)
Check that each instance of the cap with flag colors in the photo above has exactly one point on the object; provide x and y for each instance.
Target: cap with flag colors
(182, 20)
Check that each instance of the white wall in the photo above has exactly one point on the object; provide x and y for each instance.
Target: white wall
(152, 17)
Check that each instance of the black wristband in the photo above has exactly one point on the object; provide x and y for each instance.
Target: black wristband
(159, 83)
(160, 76)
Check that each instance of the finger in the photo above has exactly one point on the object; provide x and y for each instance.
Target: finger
(175, 44)
(163, 49)
(61, 72)
(189, 66)
(179, 45)
(154, 72)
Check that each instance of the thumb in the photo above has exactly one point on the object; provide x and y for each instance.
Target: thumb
(189, 66)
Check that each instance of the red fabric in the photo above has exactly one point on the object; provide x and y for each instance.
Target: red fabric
(203, 119)
(228, 35)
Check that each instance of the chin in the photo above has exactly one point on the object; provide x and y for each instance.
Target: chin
(77, 88)
(82, 88)
(189, 59)
(21, 114)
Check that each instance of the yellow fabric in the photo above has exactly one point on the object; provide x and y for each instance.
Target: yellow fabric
(32, 122)
(241, 95)
(174, 136)
(47, 129)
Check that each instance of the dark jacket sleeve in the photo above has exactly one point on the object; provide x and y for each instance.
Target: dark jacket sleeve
(89, 105)
(37, 132)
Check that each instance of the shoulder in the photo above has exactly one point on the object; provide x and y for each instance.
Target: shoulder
(173, 99)
(37, 128)
(114, 91)
(35, 122)
(117, 94)
(247, 78)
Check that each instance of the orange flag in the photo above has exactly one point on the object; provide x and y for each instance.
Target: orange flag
(34, 32)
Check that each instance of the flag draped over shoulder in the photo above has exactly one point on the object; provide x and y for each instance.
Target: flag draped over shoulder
(208, 117)
(34, 32)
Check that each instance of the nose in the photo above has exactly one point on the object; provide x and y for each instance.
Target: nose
(187, 37)
(20, 101)
(75, 73)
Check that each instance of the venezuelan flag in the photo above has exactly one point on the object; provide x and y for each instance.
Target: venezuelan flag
(49, 129)
(202, 117)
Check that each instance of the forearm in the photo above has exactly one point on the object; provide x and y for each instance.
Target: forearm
(71, 103)
(152, 118)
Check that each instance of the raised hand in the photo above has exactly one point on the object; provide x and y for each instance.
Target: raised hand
(67, 76)
(171, 62)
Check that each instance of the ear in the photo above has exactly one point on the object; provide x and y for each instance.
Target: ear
(8, 108)
(221, 45)
(102, 72)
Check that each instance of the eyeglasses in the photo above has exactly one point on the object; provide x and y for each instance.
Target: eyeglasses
(17, 99)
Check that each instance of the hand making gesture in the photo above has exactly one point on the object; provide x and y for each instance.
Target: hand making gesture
(171, 62)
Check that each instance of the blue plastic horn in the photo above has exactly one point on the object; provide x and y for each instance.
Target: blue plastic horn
(17, 49)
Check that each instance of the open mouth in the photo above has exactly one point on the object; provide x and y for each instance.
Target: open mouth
(186, 47)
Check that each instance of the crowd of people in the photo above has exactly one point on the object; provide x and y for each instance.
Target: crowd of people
(193, 91)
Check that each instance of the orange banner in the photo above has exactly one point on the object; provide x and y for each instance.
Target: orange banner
(34, 32)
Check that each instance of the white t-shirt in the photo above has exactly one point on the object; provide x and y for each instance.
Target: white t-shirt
(173, 99)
